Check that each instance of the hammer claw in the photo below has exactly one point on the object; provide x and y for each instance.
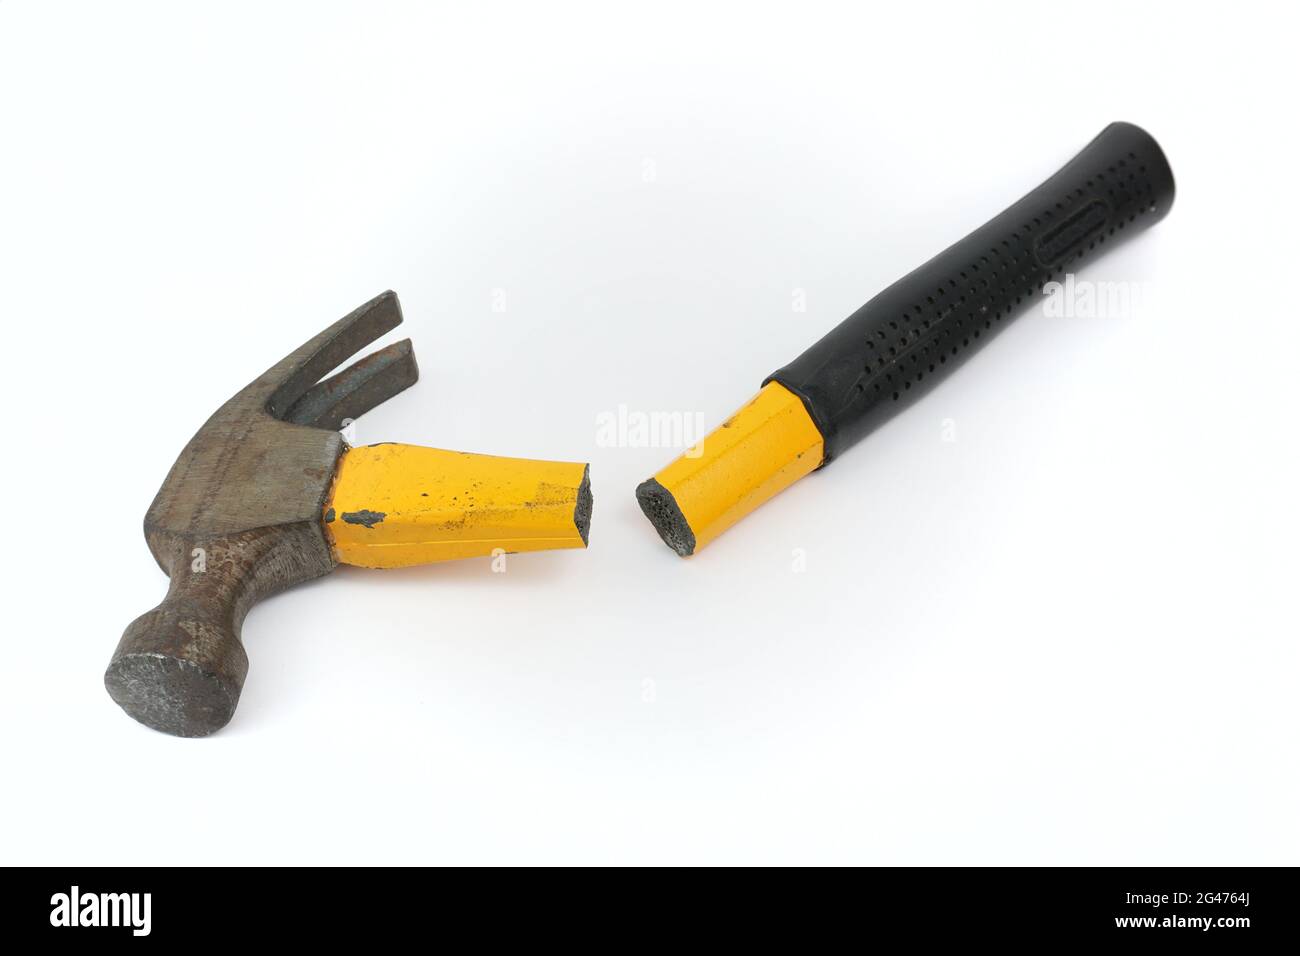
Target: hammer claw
(365, 384)
(295, 375)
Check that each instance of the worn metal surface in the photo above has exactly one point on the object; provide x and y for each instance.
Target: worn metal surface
(239, 518)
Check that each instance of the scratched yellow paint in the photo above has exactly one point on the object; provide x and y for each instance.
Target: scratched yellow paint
(396, 505)
(761, 450)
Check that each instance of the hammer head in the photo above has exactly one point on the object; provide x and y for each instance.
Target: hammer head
(239, 518)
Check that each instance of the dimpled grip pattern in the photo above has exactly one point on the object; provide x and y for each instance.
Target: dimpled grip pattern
(904, 341)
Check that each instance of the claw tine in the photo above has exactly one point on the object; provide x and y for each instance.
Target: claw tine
(295, 375)
(366, 383)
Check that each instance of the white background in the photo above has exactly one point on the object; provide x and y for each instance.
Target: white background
(1068, 636)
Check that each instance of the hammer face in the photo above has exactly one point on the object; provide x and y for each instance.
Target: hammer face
(180, 668)
(175, 693)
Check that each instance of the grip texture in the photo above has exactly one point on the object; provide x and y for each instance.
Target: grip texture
(905, 340)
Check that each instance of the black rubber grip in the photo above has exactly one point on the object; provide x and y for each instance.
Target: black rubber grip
(900, 344)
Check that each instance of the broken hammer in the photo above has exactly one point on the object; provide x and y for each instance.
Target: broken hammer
(267, 494)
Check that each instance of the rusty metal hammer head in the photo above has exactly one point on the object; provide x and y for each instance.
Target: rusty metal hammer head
(239, 518)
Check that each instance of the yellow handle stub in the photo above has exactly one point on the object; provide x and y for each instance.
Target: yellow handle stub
(395, 505)
(762, 449)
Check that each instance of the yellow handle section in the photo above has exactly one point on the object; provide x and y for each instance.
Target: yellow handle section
(396, 505)
(764, 448)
